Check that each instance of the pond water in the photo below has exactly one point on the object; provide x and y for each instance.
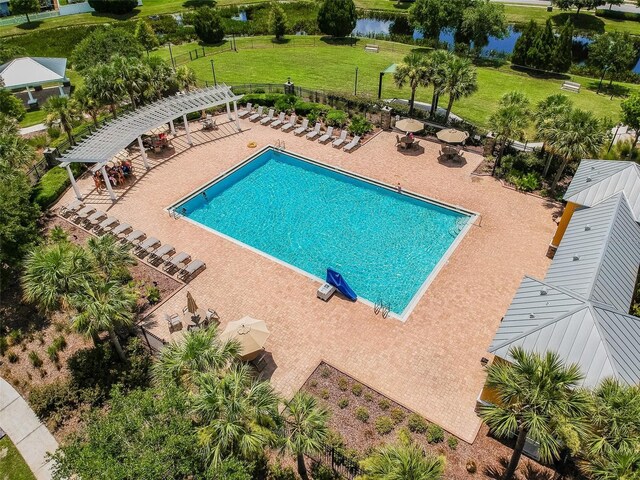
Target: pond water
(241, 16)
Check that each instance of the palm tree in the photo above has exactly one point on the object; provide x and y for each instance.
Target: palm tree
(436, 72)
(621, 464)
(199, 352)
(536, 393)
(305, 426)
(132, 74)
(185, 78)
(575, 135)
(52, 273)
(510, 120)
(160, 78)
(87, 103)
(405, 460)
(103, 305)
(15, 152)
(237, 414)
(412, 71)
(63, 110)
(547, 111)
(109, 255)
(460, 80)
(104, 87)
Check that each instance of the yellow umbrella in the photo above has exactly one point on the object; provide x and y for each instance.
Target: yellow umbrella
(192, 306)
(451, 135)
(250, 333)
(409, 125)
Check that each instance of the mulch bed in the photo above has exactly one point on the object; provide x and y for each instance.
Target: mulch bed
(490, 455)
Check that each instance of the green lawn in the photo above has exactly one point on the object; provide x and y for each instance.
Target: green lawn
(11, 462)
(33, 118)
(332, 68)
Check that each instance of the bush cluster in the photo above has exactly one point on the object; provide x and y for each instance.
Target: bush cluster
(435, 433)
(118, 7)
(384, 425)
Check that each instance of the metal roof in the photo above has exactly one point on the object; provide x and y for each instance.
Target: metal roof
(116, 135)
(597, 180)
(33, 71)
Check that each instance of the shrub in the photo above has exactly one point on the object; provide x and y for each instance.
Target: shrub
(343, 383)
(53, 132)
(362, 414)
(384, 425)
(452, 442)
(526, 182)
(53, 184)
(119, 7)
(336, 118)
(335, 440)
(325, 372)
(322, 472)
(35, 359)
(368, 397)
(11, 105)
(313, 383)
(343, 403)
(398, 415)
(356, 389)
(278, 472)
(121, 275)
(59, 343)
(435, 434)
(52, 353)
(384, 404)
(324, 393)
(153, 295)
(50, 398)
(4, 345)
(286, 103)
(12, 357)
(360, 125)
(208, 25)
(416, 423)
(306, 108)
(15, 336)
(98, 47)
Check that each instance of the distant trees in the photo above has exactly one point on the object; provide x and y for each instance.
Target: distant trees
(208, 25)
(146, 36)
(540, 48)
(578, 4)
(612, 54)
(102, 44)
(24, 7)
(337, 17)
(430, 16)
(277, 21)
(118, 7)
(485, 19)
(631, 114)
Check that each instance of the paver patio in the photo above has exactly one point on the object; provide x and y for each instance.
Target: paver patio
(430, 363)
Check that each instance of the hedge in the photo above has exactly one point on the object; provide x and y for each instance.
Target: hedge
(618, 15)
(113, 6)
(53, 184)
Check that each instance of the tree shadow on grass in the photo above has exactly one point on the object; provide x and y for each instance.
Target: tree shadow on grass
(540, 74)
(32, 25)
(614, 89)
(402, 5)
(280, 41)
(349, 41)
(199, 3)
(582, 21)
(117, 16)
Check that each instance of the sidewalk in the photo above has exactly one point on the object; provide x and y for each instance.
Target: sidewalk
(29, 435)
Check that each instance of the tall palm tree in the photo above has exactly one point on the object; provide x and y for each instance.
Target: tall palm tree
(436, 72)
(52, 273)
(108, 254)
(460, 80)
(405, 460)
(547, 111)
(63, 110)
(575, 135)
(160, 78)
(305, 427)
(133, 75)
(509, 121)
(412, 71)
(103, 305)
(104, 86)
(536, 393)
(185, 77)
(237, 414)
(15, 151)
(199, 352)
(87, 103)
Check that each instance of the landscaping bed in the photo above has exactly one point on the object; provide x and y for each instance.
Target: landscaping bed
(365, 419)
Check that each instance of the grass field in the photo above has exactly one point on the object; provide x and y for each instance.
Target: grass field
(12, 464)
(315, 64)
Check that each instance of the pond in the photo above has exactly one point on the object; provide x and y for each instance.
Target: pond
(370, 26)
(241, 16)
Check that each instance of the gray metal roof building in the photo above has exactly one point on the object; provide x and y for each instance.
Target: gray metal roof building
(581, 308)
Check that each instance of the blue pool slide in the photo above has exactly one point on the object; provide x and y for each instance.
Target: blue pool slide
(335, 279)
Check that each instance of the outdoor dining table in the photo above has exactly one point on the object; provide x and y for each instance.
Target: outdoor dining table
(194, 319)
(407, 141)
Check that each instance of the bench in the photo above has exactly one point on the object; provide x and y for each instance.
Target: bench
(571, 87)
(371, 48)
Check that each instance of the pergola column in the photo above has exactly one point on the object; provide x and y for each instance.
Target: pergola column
(172, 127)
(108, 183)
(235, 111)
(31, 99)
(73, 182)
(186, 127)
(229, 112)
(61, 88)
(143, 153)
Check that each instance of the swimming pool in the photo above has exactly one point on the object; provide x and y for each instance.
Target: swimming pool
(386, 245)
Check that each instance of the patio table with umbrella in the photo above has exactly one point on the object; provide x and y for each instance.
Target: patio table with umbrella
(451, 135)
(192, 315)
(250, 333)
(409, 125)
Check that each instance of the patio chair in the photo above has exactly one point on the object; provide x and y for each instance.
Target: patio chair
(302, 128)
(260, 362)
(279, 121)
(177, 262)
(122, 230)
(173, 321)
(327, 136)
(83, 213)
(106, 225)
(191, 270)
(315, 132)
(245, 111)
(268, 118)
(134, 238)
(212, 317)
(353, 144)
(398, 141)
(258, 115)
(71, 208)
(340, 140)
(161, 254)
(293, 119)
(94, 219)
(148, 246)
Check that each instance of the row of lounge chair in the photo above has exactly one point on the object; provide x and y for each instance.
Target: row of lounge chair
(143, 246)
(302, 129)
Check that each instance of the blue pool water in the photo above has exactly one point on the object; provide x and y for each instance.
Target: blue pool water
(384, 243)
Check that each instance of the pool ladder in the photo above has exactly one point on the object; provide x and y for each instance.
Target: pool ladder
(381, 307)
(280, 144)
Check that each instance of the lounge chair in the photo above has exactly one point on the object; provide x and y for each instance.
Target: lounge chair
(177, 262)
(245, 111)
(293, 119)
(135, 237)
(352, 144)
(315, 132)
(173, 321)
(341, 139)
(107, 225)
(258, 115)
(71, 208)
(95, 218)
(122, 230)
(161, 254)
(327, 136)
(191, 270)
(302, 128)
(148, 246)
(279, 121)
(268, 118)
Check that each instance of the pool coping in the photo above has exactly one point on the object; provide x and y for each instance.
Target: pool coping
(406, 312)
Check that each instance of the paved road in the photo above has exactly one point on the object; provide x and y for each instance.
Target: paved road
(29, 435)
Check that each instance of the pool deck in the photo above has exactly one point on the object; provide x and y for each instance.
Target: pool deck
(431, 362)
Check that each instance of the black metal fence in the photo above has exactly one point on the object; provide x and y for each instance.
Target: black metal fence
(339, 463)
(36, 172)
(155, 343)
(200, 52)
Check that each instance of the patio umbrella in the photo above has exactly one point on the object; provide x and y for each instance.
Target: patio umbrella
(192, 306)
(250, 333)
(409, 125)
(451, 135)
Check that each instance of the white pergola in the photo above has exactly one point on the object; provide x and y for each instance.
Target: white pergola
(115, 136)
